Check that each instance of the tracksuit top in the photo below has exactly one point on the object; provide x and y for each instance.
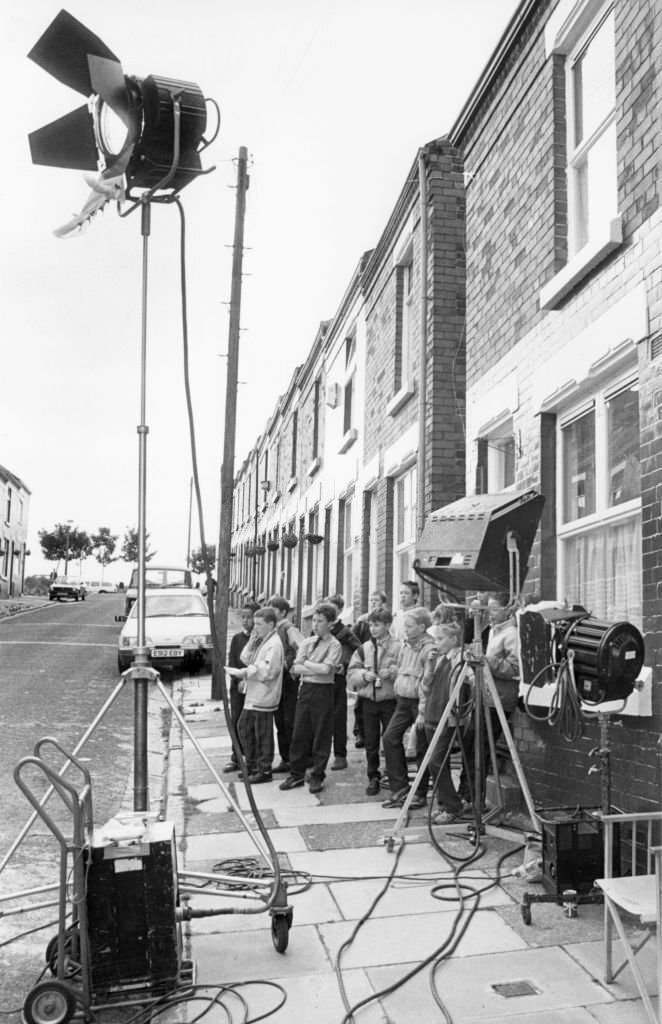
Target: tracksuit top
(380, 657)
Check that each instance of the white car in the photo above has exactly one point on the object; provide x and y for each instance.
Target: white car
(177, 631)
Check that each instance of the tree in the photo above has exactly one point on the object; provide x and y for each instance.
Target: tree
(103, 545)
(64, 542)
(197, 561)
(130, 546)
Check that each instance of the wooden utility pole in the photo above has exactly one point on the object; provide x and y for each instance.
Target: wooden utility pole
(227, 467)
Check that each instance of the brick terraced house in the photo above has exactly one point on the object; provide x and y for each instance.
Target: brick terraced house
(14, 503)
(532, 359)
(561, 141)
(368, 438)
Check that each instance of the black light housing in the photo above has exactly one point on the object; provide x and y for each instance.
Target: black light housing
(151, 130)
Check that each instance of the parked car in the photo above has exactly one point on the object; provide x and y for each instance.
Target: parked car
(177, 631)
(67, 587)
(161, 576)
(107, 588)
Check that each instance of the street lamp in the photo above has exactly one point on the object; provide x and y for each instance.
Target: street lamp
(68, 524)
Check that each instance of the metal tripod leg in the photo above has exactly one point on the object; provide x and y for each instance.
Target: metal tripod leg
(508, 736)
(255, 836)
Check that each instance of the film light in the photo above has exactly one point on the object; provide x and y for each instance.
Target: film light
(127, 127)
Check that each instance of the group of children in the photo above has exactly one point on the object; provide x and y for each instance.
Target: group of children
(401, 669)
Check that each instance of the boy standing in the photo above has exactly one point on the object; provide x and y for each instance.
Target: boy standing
(438, 681)
(264, 677)
(370, 675)
(318, 660)
(349, 643)
(417, 648)
(239, 641)
(291, 639)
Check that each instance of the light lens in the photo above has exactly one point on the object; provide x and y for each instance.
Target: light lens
(111, 131)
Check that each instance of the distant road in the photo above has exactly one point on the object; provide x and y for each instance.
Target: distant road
(58, 665)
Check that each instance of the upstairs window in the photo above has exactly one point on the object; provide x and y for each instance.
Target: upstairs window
(403, 338)
(293, 459)
(591, 118)
(316, 417)
(8, 505)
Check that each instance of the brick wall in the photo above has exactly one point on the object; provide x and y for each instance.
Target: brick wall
(514, 154)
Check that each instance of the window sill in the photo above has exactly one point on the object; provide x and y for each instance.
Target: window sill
(348, 440)
(400, 398)
(314, 466)
(291, 484)
(581, 264)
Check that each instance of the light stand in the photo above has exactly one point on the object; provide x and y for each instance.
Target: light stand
(475, 669)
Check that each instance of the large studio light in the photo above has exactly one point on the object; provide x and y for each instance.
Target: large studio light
(149, 130)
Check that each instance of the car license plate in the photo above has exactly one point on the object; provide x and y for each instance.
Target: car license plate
(167, 652)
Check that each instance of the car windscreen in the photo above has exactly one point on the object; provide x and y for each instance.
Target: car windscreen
(160, 605)
(163, 578)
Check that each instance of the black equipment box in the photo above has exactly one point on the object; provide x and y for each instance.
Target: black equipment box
(131, 898)
(464, 545)
(573, 849)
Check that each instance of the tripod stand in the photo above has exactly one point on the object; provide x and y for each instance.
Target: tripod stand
(477, 671)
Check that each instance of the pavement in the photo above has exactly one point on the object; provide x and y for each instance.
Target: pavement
(496, 968)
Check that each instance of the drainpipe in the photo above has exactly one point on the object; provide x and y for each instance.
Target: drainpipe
(422, 369)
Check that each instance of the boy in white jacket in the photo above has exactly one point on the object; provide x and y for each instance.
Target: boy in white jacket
(264, 680)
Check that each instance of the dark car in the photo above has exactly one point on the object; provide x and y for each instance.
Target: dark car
(66, 587)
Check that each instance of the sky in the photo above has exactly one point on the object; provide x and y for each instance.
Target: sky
(332, 99)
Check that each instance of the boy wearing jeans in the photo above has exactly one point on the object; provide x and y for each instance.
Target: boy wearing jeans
(318, 660)
(371, 673)
(264, 678)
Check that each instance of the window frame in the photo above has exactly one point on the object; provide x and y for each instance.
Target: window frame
(604, 515)
(408, 543)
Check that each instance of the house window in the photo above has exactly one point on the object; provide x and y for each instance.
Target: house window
(591, 121)
(293, 460)
(21, 511)
(496, 456)
(600, 508)
(8, 505)
(371, 506)
(347, 552)
(347, 407)
(350, 432)
(403, 340)
(405, 527)
(314, 559)
(316, 417)
(5, 556)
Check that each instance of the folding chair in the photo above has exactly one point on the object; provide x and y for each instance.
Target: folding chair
(636, 892)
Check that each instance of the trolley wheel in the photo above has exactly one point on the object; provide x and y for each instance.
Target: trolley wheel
(71, 968)
(49, 1002)
(280, 932)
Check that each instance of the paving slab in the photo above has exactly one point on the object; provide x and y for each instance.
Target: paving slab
(371, 862)
(465, 985)
(203, 822)
(319, 994)
(590, 955)
(314, 906)
(625, 1011)
(409, 897)
(206, 743)
(239, 844)
(239, 956)
(410, 939)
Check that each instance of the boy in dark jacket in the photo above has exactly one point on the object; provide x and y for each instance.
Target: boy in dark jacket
(349, 644)
(237, 691)
(371, 672)
(438, 681)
